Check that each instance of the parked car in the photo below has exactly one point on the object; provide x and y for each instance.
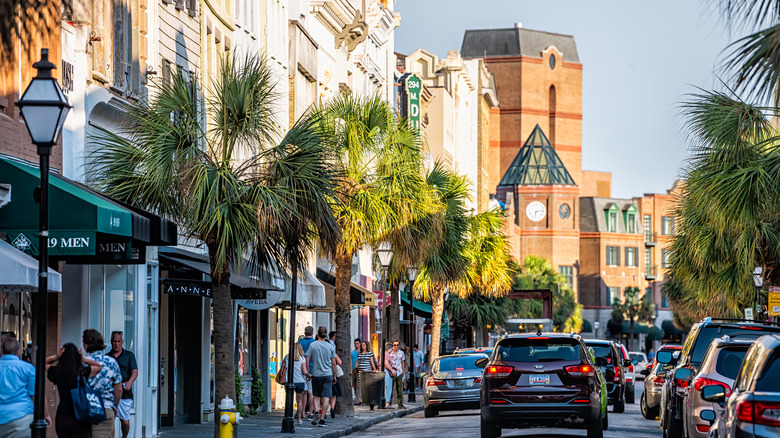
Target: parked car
(655, 377)
(543, 380)
(630, 376)
(480, 350)
(639, 359)
(452, 384)
(696, 344)
(720, 365)
(753, 408)
(613, 368)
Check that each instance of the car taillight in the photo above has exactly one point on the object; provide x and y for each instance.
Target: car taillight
(478, 380)
(704, 428)
(701, 382)
(581, 370)
(631, 368)
(766, 413)
(658, 380)
(498, 371)
(617, 374)
(435, 382)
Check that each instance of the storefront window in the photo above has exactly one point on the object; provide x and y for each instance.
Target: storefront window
(243, 358)
(112, 301)
(152, 298)
(16, 318)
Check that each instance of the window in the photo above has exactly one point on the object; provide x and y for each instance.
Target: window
(567, 272)
(612, 226)
(613, 255)
(552, 62)
(613, 293)
(631, 223)
(631, 256)
(665, 253)
(648, 228)
(667, 225)
(664, 300)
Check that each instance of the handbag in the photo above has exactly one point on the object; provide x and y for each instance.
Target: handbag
(339, 371)
(87, 402)
(281, 376)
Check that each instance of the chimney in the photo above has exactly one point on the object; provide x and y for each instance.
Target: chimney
(519, 25)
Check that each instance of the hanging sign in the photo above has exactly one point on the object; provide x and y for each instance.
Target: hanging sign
(193, 288)
(271, 298)
(410, 108)
(773, 306)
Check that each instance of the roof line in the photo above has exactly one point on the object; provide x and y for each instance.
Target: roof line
(518, 29)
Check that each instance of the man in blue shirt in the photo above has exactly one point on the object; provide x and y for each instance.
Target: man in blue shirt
(356, 391)
(17, 390)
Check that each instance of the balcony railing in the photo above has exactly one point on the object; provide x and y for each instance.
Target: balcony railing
(651, 239)
(651, 272)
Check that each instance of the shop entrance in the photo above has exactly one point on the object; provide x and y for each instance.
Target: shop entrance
(181, 348)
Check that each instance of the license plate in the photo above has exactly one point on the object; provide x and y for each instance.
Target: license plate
(461, 382)
(539, 379)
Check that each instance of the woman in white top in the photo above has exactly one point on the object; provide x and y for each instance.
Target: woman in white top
(300, 376)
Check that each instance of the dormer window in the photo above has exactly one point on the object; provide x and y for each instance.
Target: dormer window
(611, 216)
(630, 213)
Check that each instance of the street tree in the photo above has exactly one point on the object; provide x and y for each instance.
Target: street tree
(379, 160)
(538, 273)
(225, 174)
(632, 308)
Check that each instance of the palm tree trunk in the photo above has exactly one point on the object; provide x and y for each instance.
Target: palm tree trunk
(224, 340)
(394, 318)
(437, 297)
(343, 262)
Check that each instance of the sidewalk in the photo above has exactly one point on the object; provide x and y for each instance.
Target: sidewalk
(270, 425)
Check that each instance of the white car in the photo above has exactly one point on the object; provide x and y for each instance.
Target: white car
(640, 362)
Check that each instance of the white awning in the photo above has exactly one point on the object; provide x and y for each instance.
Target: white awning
(310, 293)
(19, 272)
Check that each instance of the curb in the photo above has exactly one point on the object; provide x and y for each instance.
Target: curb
(371, 422)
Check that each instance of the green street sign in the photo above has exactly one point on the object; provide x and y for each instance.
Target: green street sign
(413, 85)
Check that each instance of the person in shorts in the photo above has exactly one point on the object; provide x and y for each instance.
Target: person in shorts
(300, 376)
(336, 386)
(323, 372)
(129, 368)
(308, 339)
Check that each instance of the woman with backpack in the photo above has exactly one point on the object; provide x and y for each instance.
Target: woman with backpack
(64, 369)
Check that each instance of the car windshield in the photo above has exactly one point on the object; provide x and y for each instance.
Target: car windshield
(458, 363)
(768, 380)
(604, 351)
(637, 357)
(538, 350)
(729, 361)
(708, 333)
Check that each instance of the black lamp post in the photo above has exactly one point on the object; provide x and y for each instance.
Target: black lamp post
(385, 253)
(288, 422)
(758, 282)
(44, 108)
(412, 272)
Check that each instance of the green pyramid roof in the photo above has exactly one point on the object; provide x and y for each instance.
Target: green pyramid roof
(536, 164)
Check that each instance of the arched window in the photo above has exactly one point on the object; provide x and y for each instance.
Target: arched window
(552, 103)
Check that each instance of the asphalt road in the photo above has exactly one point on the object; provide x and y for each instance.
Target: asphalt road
(457, 424)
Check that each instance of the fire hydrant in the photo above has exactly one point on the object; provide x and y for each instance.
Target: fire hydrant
(227, 417)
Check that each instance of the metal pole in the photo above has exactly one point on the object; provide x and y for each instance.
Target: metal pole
(39, 425)
(382, 399)
(288, 422)
(413, 381)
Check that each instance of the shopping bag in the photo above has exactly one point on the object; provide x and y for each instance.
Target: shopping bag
(87, 403)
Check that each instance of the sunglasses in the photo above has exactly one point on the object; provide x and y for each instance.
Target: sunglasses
(395, 345)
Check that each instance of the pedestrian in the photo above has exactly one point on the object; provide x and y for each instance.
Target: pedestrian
(307, 340)
(419, 365)
(388, 374)
(17, 392)
(397, 371)
(129, 369)
(427, 356)
(300, 376)
(108, 382)
(323, 359)
(354, 378)
(366, 361)
(336, 386)
(64, 370)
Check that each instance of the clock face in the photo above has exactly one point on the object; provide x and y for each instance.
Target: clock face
(535, 211)
(564, 211)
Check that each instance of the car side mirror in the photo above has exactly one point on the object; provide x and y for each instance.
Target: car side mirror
(602, 362)
(626, 362)
(708, 415)
(664, 356)
(682, 374)
(661, 374)
(713, 393)
(634, 361)
(645, 372)
(481, 362)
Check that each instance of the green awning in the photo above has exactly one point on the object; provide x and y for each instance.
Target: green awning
(81, 222)
(587, 326)
(639, 327)
(420, 308)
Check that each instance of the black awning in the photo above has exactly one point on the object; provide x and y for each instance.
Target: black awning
(356, 292)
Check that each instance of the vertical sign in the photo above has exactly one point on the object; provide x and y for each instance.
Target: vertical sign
(774, 301)
(413, 85)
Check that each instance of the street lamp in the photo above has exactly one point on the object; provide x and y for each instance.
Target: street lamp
(385, 253)
(412, 273)
(596, 326)
(44, 108)
(758, 281)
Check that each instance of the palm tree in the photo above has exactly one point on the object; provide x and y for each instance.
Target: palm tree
(538, 273)
(379, 159)
(182, 161)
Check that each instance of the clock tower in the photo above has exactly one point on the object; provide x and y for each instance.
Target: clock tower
(542, 199)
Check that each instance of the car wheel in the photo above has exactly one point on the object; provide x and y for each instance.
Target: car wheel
(595, 429)
(489, 429)
(647, 412)
(430, 413)
(620, 404)
(605, 421)
(630, 395)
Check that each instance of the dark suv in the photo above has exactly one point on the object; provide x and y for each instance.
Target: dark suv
(542, 380)
(696, 344)
(614, 369)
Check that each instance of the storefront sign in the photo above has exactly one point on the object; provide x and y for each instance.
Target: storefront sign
(413, 85)
(271, 298)
(81, 247)
(193, 288)
(773, 306)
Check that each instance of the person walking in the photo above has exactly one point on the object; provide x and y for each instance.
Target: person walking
(307, 340)
(300, 376)
(354, 377)
(336, 386)
(366, 361)
(323, 358)
(419, 366)
(397, 366)
(388, 374)
(17, 391)
(108, 381)
(129, 369)
(64, 370)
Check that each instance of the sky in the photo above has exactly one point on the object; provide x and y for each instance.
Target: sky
(640, 61)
